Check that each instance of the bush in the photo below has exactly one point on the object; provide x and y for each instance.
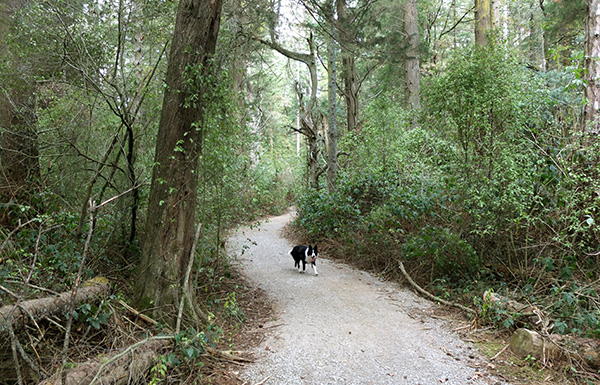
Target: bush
(375, 220)
(451, 257)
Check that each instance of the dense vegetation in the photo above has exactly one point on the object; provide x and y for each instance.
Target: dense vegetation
(487, 178)
(495, 189)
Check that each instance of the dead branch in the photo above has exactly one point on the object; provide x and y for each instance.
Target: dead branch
(227, 355)
(263, 381)
(15, 230)
(500, 352)
(186, 290)
(138, 313)
(75, 289)
(431, 296)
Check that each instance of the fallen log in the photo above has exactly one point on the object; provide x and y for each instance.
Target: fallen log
(125, 366)
(525, 313)
(37, 309)
(525, 342)
(506, 303)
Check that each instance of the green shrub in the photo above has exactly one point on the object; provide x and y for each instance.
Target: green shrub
(450, 256)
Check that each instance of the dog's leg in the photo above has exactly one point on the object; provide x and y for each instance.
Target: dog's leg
(314, 266)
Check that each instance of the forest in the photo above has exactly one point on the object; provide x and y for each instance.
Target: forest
(456, 138)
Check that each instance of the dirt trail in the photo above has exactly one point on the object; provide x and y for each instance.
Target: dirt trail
(344, 326)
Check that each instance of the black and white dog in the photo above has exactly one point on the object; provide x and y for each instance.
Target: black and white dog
(302, 253)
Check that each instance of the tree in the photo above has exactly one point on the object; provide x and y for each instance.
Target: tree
(332, 129)
(170, 221)
(592, 66)
(411, 27)
(484, 14)
(346, 36)
(308, 124)
(19, 151)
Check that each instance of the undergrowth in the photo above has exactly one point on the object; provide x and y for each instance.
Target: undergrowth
(495, 190)
(41, 255)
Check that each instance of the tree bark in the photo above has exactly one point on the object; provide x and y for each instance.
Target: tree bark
(37, 309)
(332, 129)
(346, 38)
(172, 203)
(544, 39)
(483, 21)
(411, 28)
(592, 66)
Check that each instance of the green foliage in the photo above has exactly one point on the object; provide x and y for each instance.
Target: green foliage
(564, 24)
(191, 345)
(93, 315)
(159, 371)
(478, 104)
(382, 218)
(46, 251)
(450, 256)
(498, 183)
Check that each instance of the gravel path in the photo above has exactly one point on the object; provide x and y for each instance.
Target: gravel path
(344, 326)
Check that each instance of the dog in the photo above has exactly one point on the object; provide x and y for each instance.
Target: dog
(301, 253)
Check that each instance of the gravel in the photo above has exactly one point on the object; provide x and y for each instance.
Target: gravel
(345, 326)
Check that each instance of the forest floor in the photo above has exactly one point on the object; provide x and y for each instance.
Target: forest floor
(346, 326)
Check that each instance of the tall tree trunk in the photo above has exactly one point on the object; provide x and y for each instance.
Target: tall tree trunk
(544, 39)
(332, 129)
(346, 37)
(172, 203)
(19, 151)
(483, 21)
(411, 28)
(532, 33)
(592, 66)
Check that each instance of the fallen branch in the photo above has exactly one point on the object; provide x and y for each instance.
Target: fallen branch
(129, 364)
(431, 296)
(263, 381)
(227, 355)
(500, 352)
(137, 313)
(41, 308)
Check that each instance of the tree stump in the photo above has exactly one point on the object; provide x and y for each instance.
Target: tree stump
(527, 343)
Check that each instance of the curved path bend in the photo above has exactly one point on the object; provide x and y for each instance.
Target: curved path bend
(344, 326)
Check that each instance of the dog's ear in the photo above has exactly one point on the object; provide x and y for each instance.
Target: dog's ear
(315, 248)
